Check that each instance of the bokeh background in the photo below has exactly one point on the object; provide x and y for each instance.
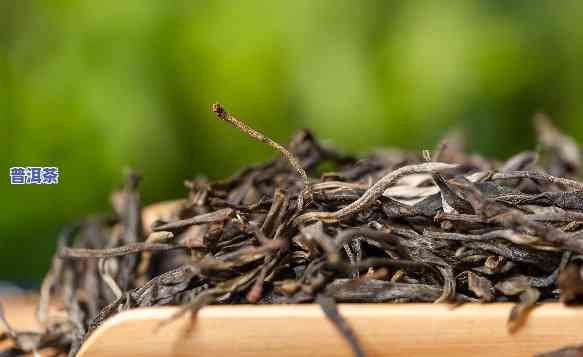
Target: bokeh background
(95, 87)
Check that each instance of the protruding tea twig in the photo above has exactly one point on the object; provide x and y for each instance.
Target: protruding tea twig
(222, 114)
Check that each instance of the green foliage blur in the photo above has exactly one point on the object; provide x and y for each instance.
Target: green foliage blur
(95, 87)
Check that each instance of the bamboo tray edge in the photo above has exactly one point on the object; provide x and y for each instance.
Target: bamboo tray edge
(302, 330)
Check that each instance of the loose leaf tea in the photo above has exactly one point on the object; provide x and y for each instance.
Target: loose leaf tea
(391, 227)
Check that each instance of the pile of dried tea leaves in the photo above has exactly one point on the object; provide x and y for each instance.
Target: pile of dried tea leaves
(391, 227)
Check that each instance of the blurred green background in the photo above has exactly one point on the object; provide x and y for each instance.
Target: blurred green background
(94, 87)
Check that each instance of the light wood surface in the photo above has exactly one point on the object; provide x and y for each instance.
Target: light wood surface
(302, 330)
(19, 311)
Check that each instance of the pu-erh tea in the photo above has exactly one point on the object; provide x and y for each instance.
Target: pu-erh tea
(318, 225)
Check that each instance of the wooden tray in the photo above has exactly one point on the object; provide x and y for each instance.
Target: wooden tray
(302, 330)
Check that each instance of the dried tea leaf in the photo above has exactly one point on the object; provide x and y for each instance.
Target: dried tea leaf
(329, 308)
(481, 286)
(519, 312)
(570, 283)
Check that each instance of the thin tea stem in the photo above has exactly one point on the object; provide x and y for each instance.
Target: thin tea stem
(222, 114)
